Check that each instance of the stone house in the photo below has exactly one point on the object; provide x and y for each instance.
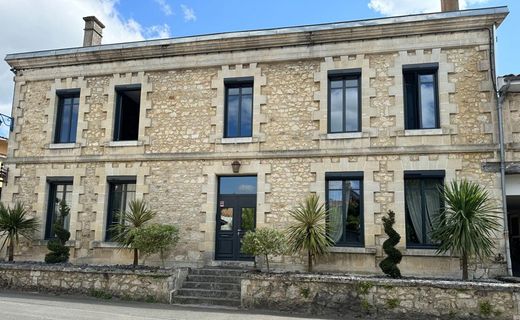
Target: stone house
(227, 132)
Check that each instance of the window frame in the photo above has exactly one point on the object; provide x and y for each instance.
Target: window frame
(62, 95)
(116, 136)
(112, 182)
(343, 176)
(422, 175)
(244, 82)
(51, 205)
(335, 75)
(417, 70)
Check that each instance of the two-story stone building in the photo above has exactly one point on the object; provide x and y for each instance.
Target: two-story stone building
(223, 133)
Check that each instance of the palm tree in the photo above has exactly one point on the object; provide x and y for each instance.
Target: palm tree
(309, 232)
(131, 221)
(15, 222)
(467, 223)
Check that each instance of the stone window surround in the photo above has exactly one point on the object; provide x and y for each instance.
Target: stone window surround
(127, 79)
(210, 192)
(445, 88)
(42, 195)
(250, 70)
(101, 206)
(80, 84)
(329, 64)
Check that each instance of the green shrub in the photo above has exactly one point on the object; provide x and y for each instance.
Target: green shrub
(15, 223)
(394, 256)
(59, 252)
(156, 238)
(265, 242)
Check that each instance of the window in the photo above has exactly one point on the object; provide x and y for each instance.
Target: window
(344, 102)
(423, 202)
(238, 109)
(120, 193)
(421, 97)
(345, 205)
(67, 117)
(126, 126)
(59, 190)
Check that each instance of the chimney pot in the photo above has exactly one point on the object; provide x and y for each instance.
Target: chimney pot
(449, 5)
(93, 31)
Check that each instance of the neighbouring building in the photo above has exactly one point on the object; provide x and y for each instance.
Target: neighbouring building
(227, 132)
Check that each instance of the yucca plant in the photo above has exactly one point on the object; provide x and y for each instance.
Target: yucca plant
(466, 224)
(131, 222)
(15, 223)
(309, 230)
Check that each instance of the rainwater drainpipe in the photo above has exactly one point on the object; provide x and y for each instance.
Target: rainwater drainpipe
(500, 97)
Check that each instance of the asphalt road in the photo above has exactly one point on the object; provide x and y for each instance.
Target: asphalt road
(29, 306)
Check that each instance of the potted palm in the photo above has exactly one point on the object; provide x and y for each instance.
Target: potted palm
(15, 223)
(466, 224)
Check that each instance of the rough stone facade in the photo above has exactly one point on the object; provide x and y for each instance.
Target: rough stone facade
(181, 151)
(379, 298)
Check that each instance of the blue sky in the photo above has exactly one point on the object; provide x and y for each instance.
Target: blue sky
(53, 24)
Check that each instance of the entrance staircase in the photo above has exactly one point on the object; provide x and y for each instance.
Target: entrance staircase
(211, 286)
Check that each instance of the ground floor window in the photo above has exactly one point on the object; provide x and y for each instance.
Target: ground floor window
(423, 203)
(59, 190)
(345, 205)
(120, 193)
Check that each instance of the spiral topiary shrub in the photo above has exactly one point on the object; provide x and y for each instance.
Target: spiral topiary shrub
(59, 252)
(394, 256)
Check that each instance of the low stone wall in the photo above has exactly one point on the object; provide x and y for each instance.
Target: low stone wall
(381, 298)
(152, 285)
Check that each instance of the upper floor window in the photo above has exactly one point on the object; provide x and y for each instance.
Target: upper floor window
(421, 96)
(59, 190)
(238, 109)
(344, 102)
(345, 205)
(67, 117)
(128, 101)
(120, 193)
(422, 191)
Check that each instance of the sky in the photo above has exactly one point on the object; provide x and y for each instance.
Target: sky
(32, 25)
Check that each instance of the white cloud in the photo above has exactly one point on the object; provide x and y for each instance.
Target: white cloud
(165, 7)
(189, 13)
(29, 25)
(402, 7)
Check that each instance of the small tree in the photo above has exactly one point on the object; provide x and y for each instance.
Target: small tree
(264, 241)
(156, 238)
(309, 231)
(15, 222)
(131, 221)
(467, 223)
(394, 256)
(59, 251)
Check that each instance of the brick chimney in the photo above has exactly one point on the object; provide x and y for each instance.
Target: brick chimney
(93, 31)
(449, 5)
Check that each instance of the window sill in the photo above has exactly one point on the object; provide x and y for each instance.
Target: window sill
(424, 252)
(103, 244)
(345, 135)
(131, 143)
(72, 145)
(423, 132)
(43, 243)
(360, 250)
(236, 140)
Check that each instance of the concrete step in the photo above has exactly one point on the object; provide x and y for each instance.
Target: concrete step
(217, 272)
(204, 293)
(211, 278)
(211, 285)
(206, 301)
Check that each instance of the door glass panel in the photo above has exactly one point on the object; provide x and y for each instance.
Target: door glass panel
(237, 185)
(226, 219)
(247, 219)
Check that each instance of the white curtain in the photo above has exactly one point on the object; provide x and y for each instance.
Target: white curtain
(413, 203)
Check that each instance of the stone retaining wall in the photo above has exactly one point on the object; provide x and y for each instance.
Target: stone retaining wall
(102, 282)
(381, 298)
